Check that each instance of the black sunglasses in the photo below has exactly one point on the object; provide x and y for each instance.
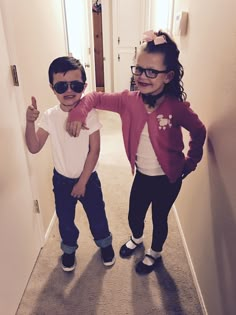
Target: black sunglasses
(62, 86)
(150, 73)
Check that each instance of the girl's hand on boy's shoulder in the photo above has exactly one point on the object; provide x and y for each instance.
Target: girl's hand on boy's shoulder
(74, 127)
(32, 112)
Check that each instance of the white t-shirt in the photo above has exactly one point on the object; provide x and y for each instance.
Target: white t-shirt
(146, 160)
(69, 153)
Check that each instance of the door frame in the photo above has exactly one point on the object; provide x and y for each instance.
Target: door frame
(21, 225)
(85, 50)
(20, 101)
(107, 46)
(107, 40)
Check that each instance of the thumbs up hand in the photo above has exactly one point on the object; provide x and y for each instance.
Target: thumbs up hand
(32, 112)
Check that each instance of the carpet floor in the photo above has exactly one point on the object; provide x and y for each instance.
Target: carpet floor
(92, 288)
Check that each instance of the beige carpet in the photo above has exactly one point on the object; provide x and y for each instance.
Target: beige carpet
(93, 289)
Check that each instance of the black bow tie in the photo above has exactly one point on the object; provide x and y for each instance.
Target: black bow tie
(151, 99)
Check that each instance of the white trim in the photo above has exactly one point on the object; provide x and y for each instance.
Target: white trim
(63, 5)
(147, 16)
(115, 43)
(171, 16)
(40, 227)
(50, 227)
(191, 266)
(89, 13)
(107, 45)
(143, 10)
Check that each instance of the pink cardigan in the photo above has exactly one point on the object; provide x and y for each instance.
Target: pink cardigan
(164, 126)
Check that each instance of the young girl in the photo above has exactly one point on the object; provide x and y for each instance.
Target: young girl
(152, 119)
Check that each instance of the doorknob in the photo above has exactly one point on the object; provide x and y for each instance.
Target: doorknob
(87, 65)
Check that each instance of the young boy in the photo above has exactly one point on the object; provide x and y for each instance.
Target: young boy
(75, 160)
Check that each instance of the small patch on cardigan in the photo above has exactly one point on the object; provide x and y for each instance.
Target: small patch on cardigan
(164, 122)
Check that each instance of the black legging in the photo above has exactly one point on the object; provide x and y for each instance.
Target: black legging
(162, 194)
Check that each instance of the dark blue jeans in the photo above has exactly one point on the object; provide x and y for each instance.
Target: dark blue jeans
(161, 194)
(93, 205)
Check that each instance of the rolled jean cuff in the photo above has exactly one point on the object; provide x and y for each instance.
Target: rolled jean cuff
(104, 242)
(68, 249)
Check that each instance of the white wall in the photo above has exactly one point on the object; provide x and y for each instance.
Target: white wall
(35, 35)
(107, 44)
(206, 204)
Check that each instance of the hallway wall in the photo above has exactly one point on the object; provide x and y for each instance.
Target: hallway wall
(36, 35)
(207, 203)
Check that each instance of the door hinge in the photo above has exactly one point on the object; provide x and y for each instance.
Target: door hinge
(36, 206)
(118, 57)
(14, 75)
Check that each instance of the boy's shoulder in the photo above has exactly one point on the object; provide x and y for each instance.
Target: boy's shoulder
(92, 121)
(93, 112)
(50, 111)
(92, 116)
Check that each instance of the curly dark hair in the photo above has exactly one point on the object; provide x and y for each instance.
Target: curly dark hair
(171, 54)
(64, 64)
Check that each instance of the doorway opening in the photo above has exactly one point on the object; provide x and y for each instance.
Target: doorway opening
(82, 19)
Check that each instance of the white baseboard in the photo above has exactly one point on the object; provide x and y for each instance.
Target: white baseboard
(50, 227)
(191, 266)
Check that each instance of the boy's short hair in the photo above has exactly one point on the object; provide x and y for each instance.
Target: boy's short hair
(64, 64)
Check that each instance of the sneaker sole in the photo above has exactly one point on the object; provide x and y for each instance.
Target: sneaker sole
(109, 263)
(68, 269)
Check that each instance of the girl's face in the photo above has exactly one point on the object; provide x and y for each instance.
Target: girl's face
(152, 61)
(69, 98)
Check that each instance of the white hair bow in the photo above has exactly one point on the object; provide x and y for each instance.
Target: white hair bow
(149, 36)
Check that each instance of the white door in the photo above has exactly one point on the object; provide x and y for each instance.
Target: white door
(19, 225)
(80, 36)
(128, 27)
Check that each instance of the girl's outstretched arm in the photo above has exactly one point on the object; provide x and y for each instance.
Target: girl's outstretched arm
(106, 101)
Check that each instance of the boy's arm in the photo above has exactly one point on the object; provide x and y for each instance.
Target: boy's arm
(34, 140)
(91, 161)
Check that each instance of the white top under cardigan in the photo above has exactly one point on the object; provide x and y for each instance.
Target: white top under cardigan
(146, 160)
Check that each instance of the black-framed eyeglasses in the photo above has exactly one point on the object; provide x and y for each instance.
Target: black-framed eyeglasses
(150, 73)
(62, 86)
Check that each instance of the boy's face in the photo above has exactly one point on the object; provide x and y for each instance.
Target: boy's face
(69, 98)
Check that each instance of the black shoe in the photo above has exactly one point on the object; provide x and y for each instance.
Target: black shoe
(68, 262)
(144, 269)
(127, 252)
(108, 255)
